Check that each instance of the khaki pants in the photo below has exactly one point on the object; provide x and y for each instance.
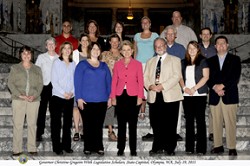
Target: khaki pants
(20, 109)
(227, 113)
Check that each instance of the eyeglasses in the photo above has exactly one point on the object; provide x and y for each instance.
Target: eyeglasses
(160, 46)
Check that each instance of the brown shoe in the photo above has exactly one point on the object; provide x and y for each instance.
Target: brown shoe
(33, 153)
(112, 136)
(16, 154)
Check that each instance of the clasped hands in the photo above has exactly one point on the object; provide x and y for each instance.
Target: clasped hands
(218, 88)
(27, 98)
(156, 88)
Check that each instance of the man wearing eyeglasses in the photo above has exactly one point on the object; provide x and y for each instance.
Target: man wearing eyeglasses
(66, 36)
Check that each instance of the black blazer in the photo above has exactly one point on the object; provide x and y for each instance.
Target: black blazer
(229, 76)
(198, 73)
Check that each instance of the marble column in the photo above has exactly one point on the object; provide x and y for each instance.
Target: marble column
(145, 11)
(114, 10)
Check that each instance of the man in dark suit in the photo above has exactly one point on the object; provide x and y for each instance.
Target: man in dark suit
(225, 70)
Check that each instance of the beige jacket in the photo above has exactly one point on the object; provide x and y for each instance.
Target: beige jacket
(17, 81)
(169, 78)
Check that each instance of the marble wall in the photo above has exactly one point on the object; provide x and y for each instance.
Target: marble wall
(212, 15)
(237, 41)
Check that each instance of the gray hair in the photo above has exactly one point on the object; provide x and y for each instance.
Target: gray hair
(171, 27)
(50, 39)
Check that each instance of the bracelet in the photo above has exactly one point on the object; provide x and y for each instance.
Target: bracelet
(184, 88)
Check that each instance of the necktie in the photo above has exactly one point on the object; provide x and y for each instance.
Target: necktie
(158, 71)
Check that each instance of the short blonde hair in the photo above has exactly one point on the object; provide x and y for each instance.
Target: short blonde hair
(147, 18)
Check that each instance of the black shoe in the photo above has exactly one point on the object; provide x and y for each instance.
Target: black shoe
(33, 153)
(217, 150)
(189, 152)
(39, 138)
(148, 137)
(152, 152)
(59, 152)
(86, 152)
(155, 152)
(211, 137)
(68, 150)
(100, 152)
(232, 152)
(133, 153)
(170, 153)
(201, 153)
(178, 137)
(82, 137)
(120, 153)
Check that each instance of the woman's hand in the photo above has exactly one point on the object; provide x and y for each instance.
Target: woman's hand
(139, 101)
(80, 103)
(113, 101)
(109, 103)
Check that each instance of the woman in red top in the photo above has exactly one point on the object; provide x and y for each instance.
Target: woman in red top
(127, 94)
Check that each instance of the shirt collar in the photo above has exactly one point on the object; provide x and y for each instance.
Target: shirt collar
(162, 57)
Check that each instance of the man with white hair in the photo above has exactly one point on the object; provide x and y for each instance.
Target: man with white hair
(184, 33)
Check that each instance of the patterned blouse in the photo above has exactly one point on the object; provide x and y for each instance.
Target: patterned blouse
(110, 59)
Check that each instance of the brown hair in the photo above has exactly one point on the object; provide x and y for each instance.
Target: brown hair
(198, 56)
(97, 34)
(61, 48)
(25, 48)
(80, 38)
(90, 47)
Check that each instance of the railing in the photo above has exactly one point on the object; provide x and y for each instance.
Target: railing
(234, 50)
(13, 46)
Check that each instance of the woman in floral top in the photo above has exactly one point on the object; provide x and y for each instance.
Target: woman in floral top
(110, 57)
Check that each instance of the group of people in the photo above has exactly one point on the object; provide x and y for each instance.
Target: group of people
(95, 83)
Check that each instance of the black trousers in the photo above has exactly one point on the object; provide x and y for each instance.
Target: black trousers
(45, 99)
(163, 118)
(61, 108)
(93, 118)
(127, 112)
(194, 110)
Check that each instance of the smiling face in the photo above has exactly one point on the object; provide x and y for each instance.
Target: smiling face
(160, 47)
(145, 24)
(170, 36)
(127, 51)
(176, 18)
(118, 28)
(66, 51)
(205, 35)
(92, 28)
(84, 41)
(26, 56)
(221, 46)
(114, 42)
(95, 51)
(50, 45)
(67, 27)
(192, 50)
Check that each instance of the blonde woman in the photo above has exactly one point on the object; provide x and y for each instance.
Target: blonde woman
(126, 95)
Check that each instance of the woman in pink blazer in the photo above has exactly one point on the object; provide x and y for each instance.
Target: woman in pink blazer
(127, 94)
